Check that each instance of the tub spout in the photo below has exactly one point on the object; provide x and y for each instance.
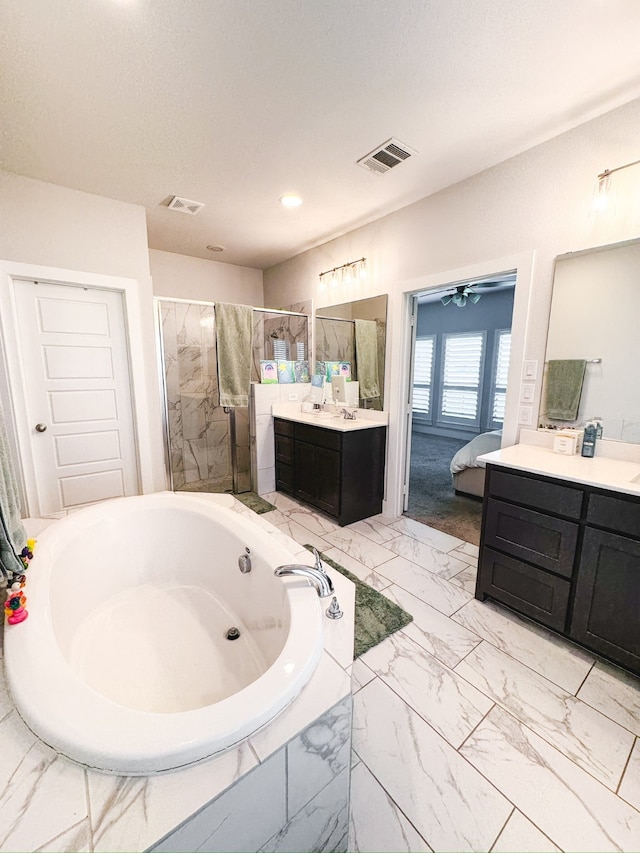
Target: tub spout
(318, 577)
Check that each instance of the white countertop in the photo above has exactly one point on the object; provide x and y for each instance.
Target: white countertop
(331, 419)
(599, 471)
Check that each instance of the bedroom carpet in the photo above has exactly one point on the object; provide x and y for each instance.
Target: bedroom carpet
(432, 499)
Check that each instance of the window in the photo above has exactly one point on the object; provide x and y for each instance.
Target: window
(462, 378)
(423, 377)
(503, 352)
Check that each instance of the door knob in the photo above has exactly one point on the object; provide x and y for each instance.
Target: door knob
(41, 427)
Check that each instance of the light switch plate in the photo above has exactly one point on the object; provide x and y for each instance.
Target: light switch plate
(293, 396)
(530, 370)
(527, 391)
(526, 415)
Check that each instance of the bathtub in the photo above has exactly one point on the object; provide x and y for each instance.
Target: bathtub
(124, 663)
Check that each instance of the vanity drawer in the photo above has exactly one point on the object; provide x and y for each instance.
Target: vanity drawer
(548, 542)
(281, 427)
(318, 436)
(619, 514)
(533, 592)
(537, 494)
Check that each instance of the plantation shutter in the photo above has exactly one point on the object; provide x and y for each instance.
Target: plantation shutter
(503, 349)
(423, 376)
(461, 380)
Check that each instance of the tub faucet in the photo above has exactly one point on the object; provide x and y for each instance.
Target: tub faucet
(316, 574)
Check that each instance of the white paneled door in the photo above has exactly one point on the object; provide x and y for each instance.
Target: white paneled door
(76, 371)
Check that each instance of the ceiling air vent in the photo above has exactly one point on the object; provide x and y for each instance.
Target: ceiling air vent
(185, 205)
(383, 158)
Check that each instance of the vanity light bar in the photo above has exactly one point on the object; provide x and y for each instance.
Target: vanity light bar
(602, 191)
(607, 172)
(353, 266)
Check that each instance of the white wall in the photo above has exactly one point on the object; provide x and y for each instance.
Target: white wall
(47, 225)
(183, 277)
(533, 206)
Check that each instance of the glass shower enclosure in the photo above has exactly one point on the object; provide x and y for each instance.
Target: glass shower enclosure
(208, 446)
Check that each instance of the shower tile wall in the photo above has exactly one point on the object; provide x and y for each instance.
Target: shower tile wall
(335, 341)
(292, 329)
(198, 426)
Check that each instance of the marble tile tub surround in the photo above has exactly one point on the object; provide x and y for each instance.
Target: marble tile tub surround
(541, 755)
(283, 786)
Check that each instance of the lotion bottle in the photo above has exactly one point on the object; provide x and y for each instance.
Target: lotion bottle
(589, 440)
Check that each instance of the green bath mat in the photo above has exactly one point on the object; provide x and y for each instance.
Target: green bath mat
(376, 616)
(255, 502)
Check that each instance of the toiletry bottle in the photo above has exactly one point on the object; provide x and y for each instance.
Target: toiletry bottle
(589, 440)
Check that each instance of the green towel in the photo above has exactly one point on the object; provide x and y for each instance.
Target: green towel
(367, 358)
(564, 388)
(12, 533)
(234, 330)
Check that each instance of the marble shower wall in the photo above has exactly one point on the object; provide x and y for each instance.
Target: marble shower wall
(335, 341)
(291, 328)
(199, 444)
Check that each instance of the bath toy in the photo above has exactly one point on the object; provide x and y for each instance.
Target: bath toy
(14, 605)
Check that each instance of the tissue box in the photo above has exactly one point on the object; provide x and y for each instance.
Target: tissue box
(302, 371)
(268, 372)
(286, 371)
(567, 441)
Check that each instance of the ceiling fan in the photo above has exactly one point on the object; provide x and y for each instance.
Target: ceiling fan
(460, 295)
(464, 292)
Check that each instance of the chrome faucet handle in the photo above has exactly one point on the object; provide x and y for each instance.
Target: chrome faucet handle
(318, 564)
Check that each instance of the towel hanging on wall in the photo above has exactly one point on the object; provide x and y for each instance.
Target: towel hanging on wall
(565, 378)
(12, 533)
(234, 331)
(366, 338)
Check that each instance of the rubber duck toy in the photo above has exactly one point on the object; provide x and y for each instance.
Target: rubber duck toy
(14, 605)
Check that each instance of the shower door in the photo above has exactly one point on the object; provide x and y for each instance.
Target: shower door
(199, 435)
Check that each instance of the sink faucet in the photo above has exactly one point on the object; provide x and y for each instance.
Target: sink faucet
(316, 574)
(348, 416)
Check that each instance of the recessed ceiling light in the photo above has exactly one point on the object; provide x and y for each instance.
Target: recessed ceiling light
(290, 200)
(215, 248)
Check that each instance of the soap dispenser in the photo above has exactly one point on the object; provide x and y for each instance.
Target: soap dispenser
(589, 440)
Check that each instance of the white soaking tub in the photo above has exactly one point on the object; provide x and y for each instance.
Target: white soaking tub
(123, 663)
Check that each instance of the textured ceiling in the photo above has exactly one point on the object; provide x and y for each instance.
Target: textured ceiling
(234, 102)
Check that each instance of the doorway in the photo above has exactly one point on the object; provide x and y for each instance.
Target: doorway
(460, 362)
(116, 452)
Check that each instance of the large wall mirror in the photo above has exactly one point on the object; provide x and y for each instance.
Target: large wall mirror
(356, 332)
(595, 317)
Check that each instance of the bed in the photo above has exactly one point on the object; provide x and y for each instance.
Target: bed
(466, 471)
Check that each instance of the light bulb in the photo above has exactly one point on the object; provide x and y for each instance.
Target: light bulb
(290, 200)
(603, 196)
(363, 269)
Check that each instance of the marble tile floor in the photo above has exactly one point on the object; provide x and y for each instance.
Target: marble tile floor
(474, 729)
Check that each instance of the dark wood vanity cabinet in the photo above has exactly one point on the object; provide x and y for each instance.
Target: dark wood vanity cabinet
(340, 473)
(565, 555)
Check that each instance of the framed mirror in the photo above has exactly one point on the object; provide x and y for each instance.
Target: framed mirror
(356, 333)
(595, 316)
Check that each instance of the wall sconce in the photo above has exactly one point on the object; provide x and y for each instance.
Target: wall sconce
(347, 273)
(603, 196)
